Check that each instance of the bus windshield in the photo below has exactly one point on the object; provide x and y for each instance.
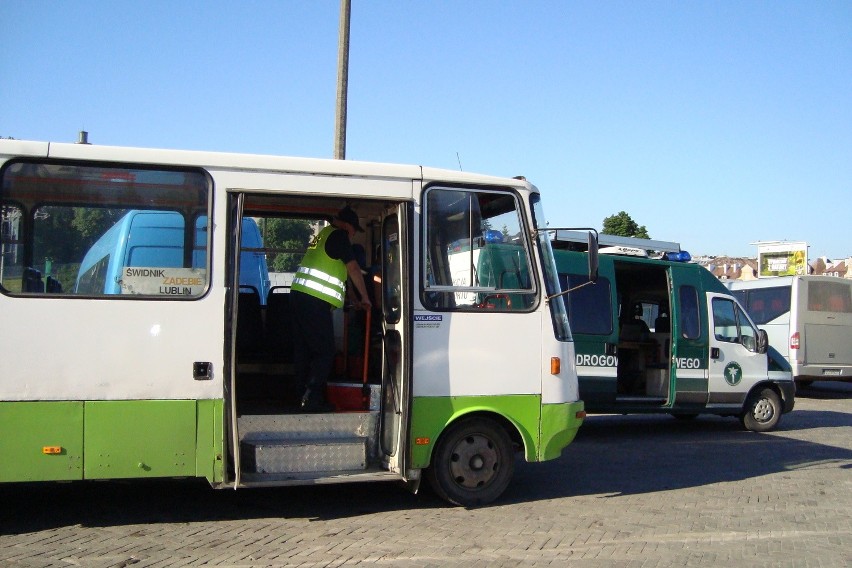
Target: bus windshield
(551, 276)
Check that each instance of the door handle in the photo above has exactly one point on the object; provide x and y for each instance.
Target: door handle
(714, 352)
(202, 371)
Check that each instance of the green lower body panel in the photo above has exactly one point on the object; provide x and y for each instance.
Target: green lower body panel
(559, 425)
(70, 440)
(117, 447)
(544, 429)
(689, 390)
(209, 440)
(41, 441)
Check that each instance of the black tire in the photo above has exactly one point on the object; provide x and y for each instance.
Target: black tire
(473, 463)
(762, 411)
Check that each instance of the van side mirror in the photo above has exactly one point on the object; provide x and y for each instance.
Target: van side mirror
(762, 341)
(593, 256)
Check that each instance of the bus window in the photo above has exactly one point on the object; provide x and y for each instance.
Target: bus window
(766, 304)
(829, 297)
(101, 230)
(11, 251)
(476, 255)
(391, 261)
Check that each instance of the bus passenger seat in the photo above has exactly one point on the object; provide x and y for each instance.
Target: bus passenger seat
(31, 281)
(279, 334)
(249, 322)
(54, 286)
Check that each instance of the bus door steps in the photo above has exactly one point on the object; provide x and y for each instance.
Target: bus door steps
(305, 455)
(307, 443)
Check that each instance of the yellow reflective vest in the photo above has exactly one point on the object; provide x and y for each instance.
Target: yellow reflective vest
(320, 275)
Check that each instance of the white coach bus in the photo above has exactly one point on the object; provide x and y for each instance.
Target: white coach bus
(808, 319)
(165, 361)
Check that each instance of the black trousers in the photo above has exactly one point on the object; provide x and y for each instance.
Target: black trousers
(313, 338)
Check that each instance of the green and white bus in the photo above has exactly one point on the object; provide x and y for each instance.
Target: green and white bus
(179, 368)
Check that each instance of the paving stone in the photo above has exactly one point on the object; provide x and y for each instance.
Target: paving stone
(631, 491)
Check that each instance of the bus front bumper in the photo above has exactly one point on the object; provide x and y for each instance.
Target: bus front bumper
(559, 425)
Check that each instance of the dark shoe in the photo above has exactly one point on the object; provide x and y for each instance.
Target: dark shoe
(315, 402)
(317, 407)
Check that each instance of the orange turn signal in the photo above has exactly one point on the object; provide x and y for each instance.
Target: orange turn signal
(51, 450)
(555, 365)
(422, 441)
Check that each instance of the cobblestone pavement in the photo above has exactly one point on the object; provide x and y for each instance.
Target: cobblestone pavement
(631, 491)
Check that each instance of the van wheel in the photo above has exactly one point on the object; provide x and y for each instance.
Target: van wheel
(473, 463)
(762, 411)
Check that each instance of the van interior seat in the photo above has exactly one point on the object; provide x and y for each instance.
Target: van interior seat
(662, 324)
(634, 330)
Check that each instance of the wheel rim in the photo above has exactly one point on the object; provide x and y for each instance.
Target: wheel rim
(474, 461)
(764, 410)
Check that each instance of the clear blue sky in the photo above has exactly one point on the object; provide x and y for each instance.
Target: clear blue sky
(714, 124)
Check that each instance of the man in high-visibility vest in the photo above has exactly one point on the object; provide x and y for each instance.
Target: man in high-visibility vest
(318, 288)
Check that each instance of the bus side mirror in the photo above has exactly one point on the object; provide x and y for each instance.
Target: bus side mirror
(593, 256)
(762, 341)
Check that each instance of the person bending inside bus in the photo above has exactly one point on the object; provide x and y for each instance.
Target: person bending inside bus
(319, 287)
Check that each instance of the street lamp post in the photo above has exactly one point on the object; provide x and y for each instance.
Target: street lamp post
(342, 81)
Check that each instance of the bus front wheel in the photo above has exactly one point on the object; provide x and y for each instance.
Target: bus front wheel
(762, 411)
(473, 463)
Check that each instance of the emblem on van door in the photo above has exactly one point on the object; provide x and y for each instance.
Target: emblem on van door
(733, 373)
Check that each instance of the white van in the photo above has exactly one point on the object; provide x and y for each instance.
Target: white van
(808, 319)
(664, 336)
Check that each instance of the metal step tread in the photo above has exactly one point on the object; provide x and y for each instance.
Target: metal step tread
(304, 455)
(251, 479)
(307, 426)
(324, 441)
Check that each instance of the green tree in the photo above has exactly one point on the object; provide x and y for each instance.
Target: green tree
(622, 225)
(91, 223)
(63, 235)
(286, 241)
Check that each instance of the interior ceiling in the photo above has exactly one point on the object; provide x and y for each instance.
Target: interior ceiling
(312, 206)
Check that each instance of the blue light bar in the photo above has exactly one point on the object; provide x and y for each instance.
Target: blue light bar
(681, 256)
